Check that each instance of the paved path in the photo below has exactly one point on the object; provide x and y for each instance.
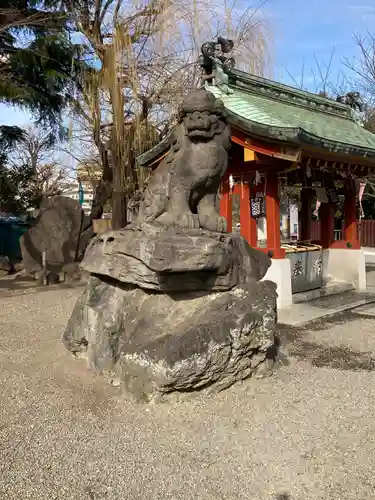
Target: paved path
(370, 275)
(308, 431)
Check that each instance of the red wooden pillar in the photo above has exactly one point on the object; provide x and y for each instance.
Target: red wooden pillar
(273, 216)
(350, 213)
(306, 200)
(226, 203)
(327, 224)
(248, 223)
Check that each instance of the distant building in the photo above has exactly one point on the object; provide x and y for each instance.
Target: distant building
(89, 175)
(71, 190)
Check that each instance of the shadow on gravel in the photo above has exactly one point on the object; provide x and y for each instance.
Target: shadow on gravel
(322, 355)
(339, 358)
(20, 284)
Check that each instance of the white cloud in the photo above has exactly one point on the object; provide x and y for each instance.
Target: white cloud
(361, 9)
(364, 13)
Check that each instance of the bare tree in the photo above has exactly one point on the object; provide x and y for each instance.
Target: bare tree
(37, 147)
(34, 168)
(369, 119)
(147, 58)
(363, 65)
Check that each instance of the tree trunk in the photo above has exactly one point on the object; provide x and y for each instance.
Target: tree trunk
(119, 209)
(104, 189)
(102, 194)
(119, 201)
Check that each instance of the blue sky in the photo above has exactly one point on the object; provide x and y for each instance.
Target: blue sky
(301, 30)
(304, 28)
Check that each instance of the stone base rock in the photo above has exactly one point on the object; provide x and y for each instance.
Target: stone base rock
(155, 343)
(160, 258)
(174, 303)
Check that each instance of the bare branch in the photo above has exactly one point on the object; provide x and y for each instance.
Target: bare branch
(148, 62)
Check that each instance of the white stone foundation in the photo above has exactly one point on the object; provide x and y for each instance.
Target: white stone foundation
(345, 265)
(280, 273)
(339, 266)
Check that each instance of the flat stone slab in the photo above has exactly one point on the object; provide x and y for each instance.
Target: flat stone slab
(331, 289)
(155, 257)
(303, 313)
(366, 310)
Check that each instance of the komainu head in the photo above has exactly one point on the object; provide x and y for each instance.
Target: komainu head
(203, 115)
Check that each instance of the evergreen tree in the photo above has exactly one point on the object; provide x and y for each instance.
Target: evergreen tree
(38, 72)
(36, 59)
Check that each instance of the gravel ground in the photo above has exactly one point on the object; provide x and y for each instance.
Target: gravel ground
(308, 432)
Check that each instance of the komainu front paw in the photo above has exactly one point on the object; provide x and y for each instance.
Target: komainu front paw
(216, 223)
(190, 221)
(221, 224)
(185, 220)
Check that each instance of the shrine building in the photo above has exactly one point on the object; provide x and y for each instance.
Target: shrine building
(296, 159)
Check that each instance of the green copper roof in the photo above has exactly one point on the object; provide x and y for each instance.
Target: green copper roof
(272, 110)
(278, 112)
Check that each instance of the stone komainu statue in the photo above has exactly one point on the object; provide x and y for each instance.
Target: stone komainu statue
(183, 189)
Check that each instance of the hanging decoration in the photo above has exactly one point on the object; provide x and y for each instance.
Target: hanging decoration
(258, 178)
(317, 206)
(257, 207)
(332, 195)
(242, 187)
(231, 182)
(361, 190)
(258, 202)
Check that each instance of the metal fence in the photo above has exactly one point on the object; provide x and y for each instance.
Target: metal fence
(10, 233)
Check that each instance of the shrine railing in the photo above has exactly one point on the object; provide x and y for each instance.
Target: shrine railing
(366, 230)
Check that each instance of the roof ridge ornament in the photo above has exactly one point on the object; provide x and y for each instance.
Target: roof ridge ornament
(354, 101)
(216, 65)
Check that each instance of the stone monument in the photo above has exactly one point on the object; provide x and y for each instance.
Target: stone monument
(57, 231)
(173, 302)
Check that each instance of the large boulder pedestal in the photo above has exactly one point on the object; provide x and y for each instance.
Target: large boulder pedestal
(169, 309)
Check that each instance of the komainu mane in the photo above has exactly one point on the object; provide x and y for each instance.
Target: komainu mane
(184, 188)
